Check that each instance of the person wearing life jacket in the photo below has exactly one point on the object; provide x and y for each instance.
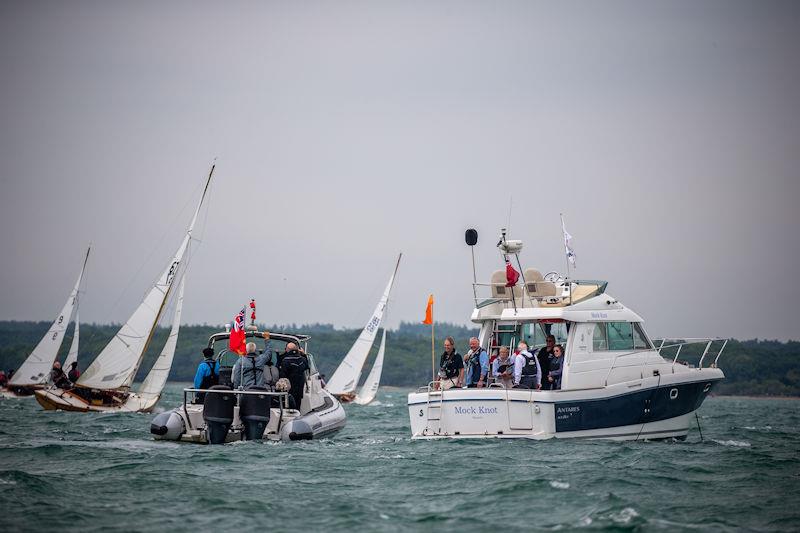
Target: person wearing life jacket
(527, 373)
(3, 379)
(476, 362)
(207, 374)
(293, 366)
(451, 367)
(248, 371)
(73, 373)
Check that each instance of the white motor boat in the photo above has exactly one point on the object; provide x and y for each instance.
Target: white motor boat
(228, 415)
(616, 382)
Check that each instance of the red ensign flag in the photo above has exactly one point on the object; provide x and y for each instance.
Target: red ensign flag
(512, 276)
(429, 311)
(236, 342)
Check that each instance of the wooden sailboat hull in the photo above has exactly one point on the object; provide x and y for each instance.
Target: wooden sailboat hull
(64, 400)
(25, 391)
(346, 397)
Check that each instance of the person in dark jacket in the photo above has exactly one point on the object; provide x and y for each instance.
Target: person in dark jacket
(544, 356)
(207, 374)
(556, 367)
(58, 378)
(293, 366)
(451, 366)
(74, 373)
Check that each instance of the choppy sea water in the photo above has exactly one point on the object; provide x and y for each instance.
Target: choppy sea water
(103, 472)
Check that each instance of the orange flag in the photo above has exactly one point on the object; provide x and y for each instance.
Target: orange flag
(429, 311)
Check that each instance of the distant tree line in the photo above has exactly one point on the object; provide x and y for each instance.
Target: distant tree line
(752, 367)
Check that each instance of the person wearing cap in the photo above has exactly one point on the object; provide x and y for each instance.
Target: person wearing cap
(207, 374)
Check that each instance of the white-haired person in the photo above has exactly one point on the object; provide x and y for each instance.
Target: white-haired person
(284, 385)
(527, 372)
(248, 371)
(503, 368)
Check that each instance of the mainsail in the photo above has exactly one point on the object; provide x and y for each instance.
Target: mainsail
(345, 379)
(35, 369)
(116, 366)
(369, 389)
(72, 354)
(153, 384)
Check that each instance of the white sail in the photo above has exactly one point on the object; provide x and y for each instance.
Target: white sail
(369, 389)
(36, 368)
(72, 355)
(345, 379)
(157, 377)
(116, 366)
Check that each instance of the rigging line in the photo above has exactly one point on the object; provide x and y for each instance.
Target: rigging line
(93, 335)
(155, 248)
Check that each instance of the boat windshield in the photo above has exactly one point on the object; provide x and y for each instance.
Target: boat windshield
(533, 333)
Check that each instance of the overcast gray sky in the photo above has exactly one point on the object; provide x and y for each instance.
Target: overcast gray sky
(668, 133)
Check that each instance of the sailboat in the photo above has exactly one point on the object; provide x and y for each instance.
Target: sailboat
(106, 384)
(369, 389)
(344, 381)
(35, 370)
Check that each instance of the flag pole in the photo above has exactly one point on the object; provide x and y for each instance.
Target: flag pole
(433, 354)
(563, 238)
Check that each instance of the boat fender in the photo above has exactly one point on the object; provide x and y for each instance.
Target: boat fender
(167, 426)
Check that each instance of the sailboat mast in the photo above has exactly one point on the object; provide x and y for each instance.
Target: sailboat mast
(184, 248)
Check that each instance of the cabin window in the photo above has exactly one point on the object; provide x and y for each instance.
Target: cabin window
(599, 338)
(535, 333)
(640, 340)
(620, 336)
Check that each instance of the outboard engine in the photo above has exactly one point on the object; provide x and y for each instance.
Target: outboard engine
(167, 426)
(254, 412)
(225, 376)
(218, 414)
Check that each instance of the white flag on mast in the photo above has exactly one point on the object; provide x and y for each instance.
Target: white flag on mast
(568, 243)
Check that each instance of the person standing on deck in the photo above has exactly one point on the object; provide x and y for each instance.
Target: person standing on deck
(248, 371)
(207, 374)
(544, 356)
(503, 368)
(476, 362)
(293, 366)
(451, 366)
(527, 373)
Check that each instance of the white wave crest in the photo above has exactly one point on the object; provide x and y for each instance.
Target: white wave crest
(734, 443)
(624, 516)
(559, 484)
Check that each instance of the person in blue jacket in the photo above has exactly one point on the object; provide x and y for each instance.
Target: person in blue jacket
(207, 374)
(476, 362)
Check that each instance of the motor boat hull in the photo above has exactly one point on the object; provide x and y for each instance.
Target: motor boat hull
(656, 407)
(186, 424)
